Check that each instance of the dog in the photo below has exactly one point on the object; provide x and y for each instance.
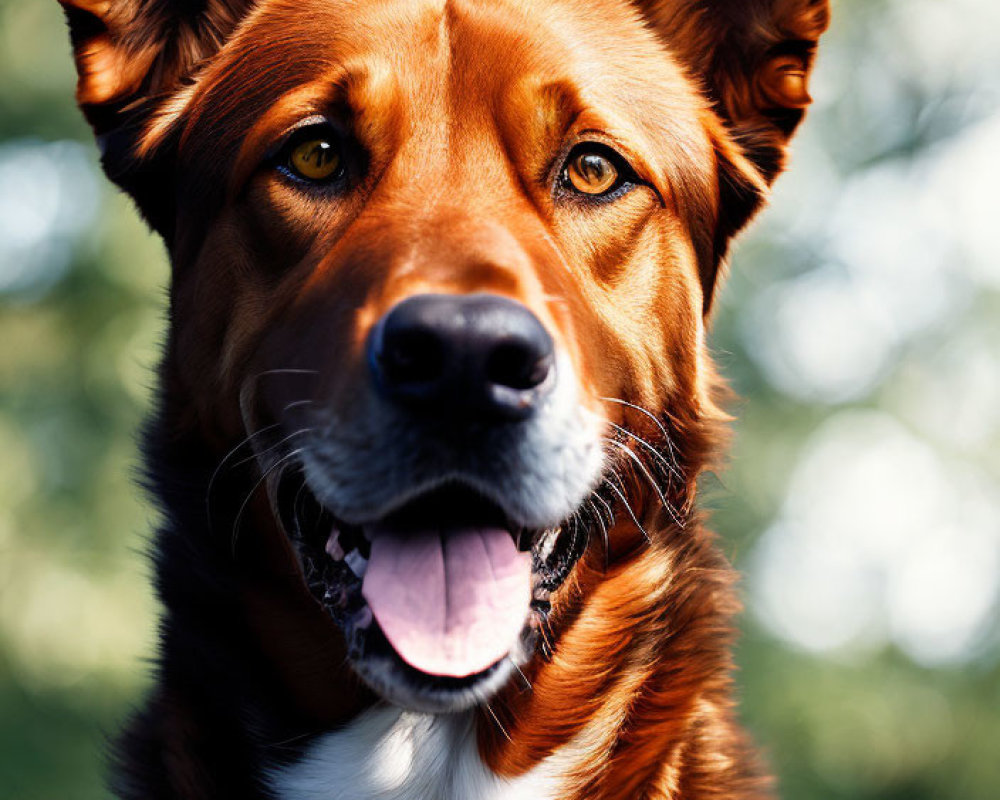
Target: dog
(436, 394)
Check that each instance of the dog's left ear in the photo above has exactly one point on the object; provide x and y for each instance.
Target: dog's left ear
(131, 56)
(752, 58)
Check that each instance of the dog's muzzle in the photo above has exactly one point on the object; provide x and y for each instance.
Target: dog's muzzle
(451, 592)
(433, 528)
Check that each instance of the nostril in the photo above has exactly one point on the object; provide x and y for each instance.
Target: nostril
(477, 356)
(518, 365)
(412, 356)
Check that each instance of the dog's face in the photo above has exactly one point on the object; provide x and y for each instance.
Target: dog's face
(426, 256)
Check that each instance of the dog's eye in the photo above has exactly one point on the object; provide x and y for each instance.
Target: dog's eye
(591, 173)
(315, 159)
(314, 155)
(594, 169)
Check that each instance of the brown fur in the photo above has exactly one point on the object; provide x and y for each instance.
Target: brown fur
(458, 111)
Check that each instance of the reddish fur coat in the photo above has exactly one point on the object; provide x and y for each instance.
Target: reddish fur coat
(186, 96)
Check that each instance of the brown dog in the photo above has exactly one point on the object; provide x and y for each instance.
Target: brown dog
(436, 394)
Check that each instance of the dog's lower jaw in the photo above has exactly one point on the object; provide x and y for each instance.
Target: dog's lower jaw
(336, 568)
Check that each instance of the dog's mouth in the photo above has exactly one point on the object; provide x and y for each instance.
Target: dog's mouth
(440, 600)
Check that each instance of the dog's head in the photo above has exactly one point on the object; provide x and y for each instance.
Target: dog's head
(447, 265)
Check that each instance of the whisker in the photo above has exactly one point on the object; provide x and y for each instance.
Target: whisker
(296, 404)
(574, 524)
(296, 508)
(666, 436)
(218, 469)
(607, 507)
(239, 515)
(669, 465)
(546, 633)
(641, 410)
(271, 447)
(289, 741)
(524, 677)
(628, 508)
(594, 499)
(547, 649)
(652, 482)
(267, 372)
(497, 721)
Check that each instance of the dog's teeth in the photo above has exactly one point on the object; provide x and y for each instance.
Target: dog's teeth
(357, 562)
(333, 548)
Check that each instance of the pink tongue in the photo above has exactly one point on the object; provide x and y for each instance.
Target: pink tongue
(450, 602)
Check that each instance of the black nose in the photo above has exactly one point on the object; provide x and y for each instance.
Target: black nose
(477, 355)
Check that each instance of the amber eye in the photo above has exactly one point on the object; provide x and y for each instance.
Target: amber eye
(315, 158)
(591, 172)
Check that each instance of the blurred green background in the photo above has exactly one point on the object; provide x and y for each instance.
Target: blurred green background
(860, 325)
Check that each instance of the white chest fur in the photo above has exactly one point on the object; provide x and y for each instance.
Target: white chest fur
(391, 754)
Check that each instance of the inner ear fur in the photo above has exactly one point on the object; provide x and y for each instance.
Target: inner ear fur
(752, 59)
(130, 56)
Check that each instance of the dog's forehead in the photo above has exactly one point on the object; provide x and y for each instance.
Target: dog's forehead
(443, 63)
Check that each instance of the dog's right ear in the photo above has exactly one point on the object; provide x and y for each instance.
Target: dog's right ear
(752, 60)
(131, 55)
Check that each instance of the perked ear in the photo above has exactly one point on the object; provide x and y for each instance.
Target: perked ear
(132, 54)
(131, 50)
(752, 59)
